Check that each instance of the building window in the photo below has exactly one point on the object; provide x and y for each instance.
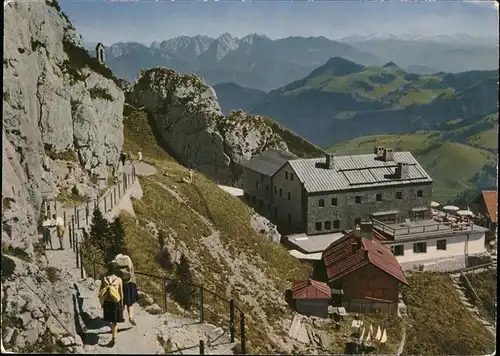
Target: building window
(321, 203)
(419, 215)
(289, 196)
(420, 193)
(267, 189)
(378, 197)
(357, 199)
(286, 174)
(420, 247)
(399, 195)
(257, 183)
(328, 225)
(318, 226)
(441, 244)
(289, 219)
(281, 192)
(398, 250)
(275, 190)
(334, 201)
(336, 224)
(357, 221)
(291, 176)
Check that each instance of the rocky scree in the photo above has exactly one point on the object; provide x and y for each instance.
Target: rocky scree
(190, 122)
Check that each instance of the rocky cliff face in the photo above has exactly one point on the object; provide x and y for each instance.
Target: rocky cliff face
(189, 119)
(62, 125)
(58, 113)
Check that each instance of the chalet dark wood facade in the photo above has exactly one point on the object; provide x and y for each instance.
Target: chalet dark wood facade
(364, 274)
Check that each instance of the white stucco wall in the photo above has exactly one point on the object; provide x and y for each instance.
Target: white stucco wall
(455, 246)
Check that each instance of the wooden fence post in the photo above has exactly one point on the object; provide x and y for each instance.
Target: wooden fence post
(81, 261)
(105, 206)
(87, 212)
(64, 217)
(202, 347)
(74, 211)
(202, 317)
(231, 319)
(164, 296)
(73, 232)
(70, 235)
(242, 332)
(78, 217)
(77, 254)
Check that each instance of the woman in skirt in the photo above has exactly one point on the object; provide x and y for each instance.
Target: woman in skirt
(112, 310)
(125, 269)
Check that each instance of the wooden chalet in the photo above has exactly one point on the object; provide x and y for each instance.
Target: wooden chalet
(364, 273)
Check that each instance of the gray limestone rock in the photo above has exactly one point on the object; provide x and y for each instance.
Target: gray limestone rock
(187, 114)
(54, 112)
(154, 309)
(32, 304)
(263, 226)
(62, 124)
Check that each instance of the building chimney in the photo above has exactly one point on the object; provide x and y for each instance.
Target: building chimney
(402, 170)
(330, 160)
(388, 154)
(379, 151)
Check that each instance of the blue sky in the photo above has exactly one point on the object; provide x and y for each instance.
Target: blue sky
(147, 21)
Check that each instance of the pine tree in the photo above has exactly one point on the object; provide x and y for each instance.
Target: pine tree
(99, 230)
(183, 291)
(164, 259)
(115, 238)
(161, 239)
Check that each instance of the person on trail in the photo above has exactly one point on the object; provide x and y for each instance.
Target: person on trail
(139, 155)
(111, 299)
(125, 270)
(59, 222)
(123, 158)
(46, 225)
(129, 156)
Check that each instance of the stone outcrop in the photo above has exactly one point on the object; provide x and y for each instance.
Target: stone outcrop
(62, 115)
(263, 226)
(62, 128)
(189, 119)
(36, 305)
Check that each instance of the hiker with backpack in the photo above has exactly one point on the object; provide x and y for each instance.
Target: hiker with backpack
(125, 270)
(111, 299)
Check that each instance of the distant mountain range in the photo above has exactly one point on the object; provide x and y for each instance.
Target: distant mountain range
(255, 61)
(341, 100)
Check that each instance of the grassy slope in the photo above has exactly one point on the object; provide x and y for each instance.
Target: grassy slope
(265, 268)
(415, 91)
(452, 165)
(439, 322)
(485, 285)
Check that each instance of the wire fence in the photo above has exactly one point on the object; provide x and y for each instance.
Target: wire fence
(205, 306)
(230, 317)
(78, 217)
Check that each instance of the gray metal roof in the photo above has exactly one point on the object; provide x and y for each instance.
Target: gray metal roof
(356, 171)
(268, 162)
